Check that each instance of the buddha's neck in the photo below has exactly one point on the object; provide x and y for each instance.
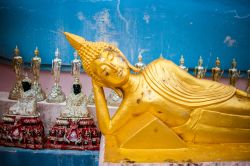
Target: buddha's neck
(132, 83)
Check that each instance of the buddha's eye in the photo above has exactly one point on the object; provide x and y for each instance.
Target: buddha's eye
(105, 71)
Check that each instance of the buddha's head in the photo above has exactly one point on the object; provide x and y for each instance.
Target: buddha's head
(26, 83)
(234, 63)
(102, 61)
(200, 62)
(77, 87)
(140, 58)
(217, 62)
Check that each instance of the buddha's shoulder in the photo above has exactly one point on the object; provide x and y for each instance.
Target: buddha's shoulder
(161, 62)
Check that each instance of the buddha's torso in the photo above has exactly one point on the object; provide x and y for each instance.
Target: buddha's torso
(216, 73)
(145, 98)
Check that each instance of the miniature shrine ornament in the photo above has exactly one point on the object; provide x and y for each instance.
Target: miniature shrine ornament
(182, 61)
(140, 65)
(76, 67)
(216, 71)
(199, 70)
(17, 63)
(35, 68)
(234, 74)
(56, 94)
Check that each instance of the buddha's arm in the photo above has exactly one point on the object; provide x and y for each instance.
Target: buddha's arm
(106, 124)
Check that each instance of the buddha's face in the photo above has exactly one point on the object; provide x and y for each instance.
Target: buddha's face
(76, 88)
(234, 64)
(217, 63)
(182, 62)
(111, 68)
(26, 86)
(140, 59)
(200, 62)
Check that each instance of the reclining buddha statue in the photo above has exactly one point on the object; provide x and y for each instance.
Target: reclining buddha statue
(166, 114)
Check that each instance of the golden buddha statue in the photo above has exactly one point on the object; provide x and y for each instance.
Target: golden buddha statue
(166, 114)
(199, 70)
(35, 68)
(234, 74)
(17, 63)
(216, 71)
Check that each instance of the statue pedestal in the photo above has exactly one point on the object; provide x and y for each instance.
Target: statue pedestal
(56, 95)
(21, 131)
(129, 163)
(40, 94)
(74, 134)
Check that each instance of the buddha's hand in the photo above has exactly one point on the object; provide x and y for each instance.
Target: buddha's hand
(98, 91)
(96, 86)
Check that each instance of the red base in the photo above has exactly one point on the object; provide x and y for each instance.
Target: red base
(80, 134)
(23, 132)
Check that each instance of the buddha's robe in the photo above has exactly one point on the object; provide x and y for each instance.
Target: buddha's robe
(217, 112)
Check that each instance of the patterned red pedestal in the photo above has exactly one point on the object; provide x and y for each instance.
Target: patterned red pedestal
(23, 132)
(74, 134)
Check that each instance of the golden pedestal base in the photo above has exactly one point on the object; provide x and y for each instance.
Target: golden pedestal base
(193, 153)
(154, 142)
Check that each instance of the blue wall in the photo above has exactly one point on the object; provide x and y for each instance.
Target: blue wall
(190, 27)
